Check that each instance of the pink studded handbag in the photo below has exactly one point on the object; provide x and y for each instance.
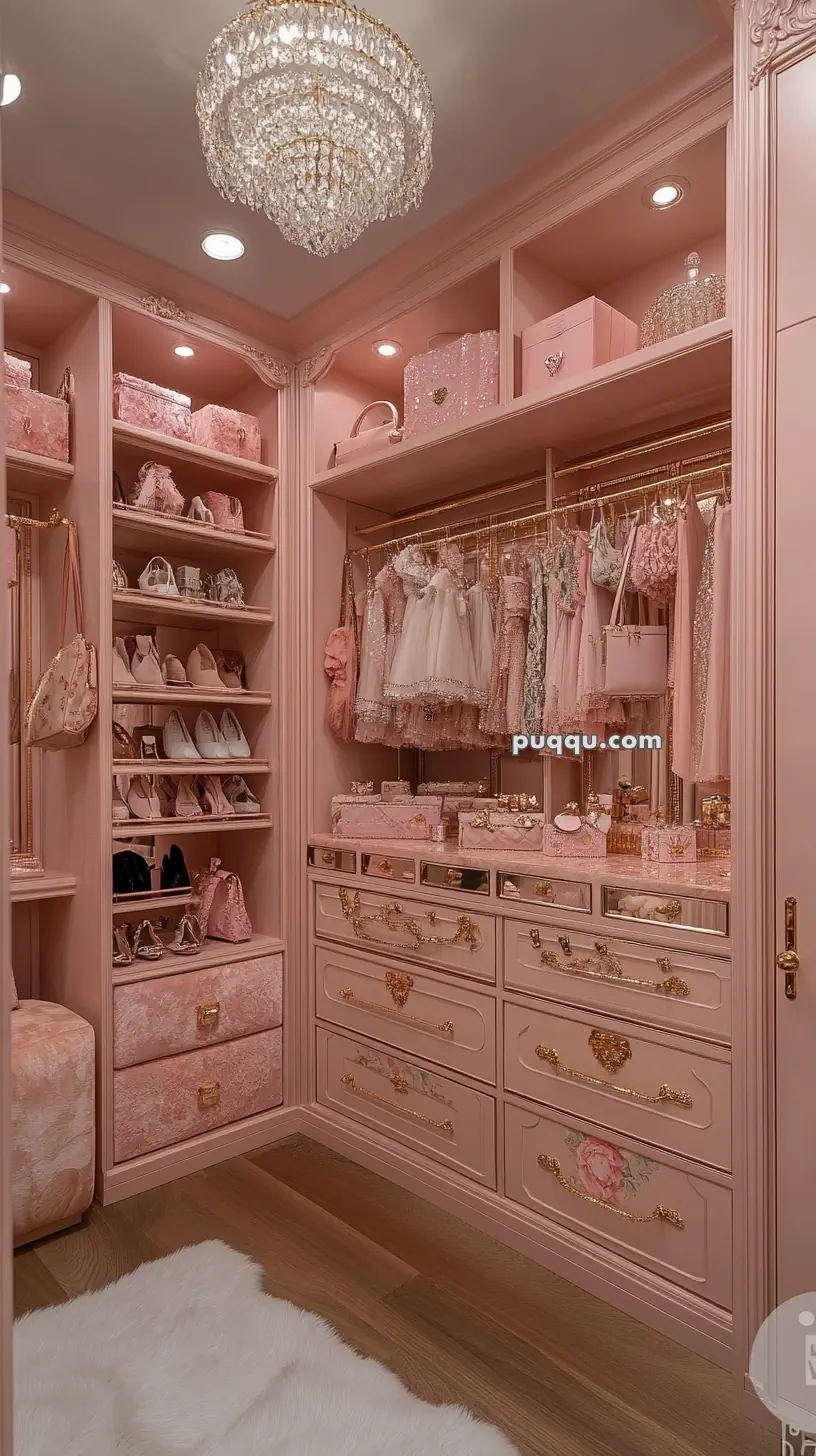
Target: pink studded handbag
(219, 903)
(66, 698)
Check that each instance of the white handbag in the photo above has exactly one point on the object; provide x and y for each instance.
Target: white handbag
(635, 659)
(370, 441)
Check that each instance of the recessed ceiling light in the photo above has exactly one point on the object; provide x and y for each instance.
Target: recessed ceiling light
(665, 192)
(387, 348)
(5, 287)
(184, 351)
(225, 247)
(12, 86)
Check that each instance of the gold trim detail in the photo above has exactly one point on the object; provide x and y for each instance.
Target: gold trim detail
(208, 1013)
(442, 1028)
(609, 1050)
(446, 1126)
(666, 1094)
(399, 986)
(209, 1095)
(395, 919)
(660, 1214)
(606, 967)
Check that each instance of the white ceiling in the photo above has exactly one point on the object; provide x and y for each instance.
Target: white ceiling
(105, 130)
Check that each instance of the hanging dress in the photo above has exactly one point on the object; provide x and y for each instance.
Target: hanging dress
(434, 661)
(381, 633)
(691, 538)
(567, 719)
(703, 611)
(564, 599)
(594, 710)
(714, 762)
(535, 667)
(503, 714)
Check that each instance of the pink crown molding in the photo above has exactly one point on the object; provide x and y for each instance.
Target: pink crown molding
(773, 24)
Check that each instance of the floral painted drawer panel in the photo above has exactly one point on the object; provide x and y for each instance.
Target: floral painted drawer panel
(416, 1107)
(674, 988)
(668, 1219)
(415, 930)
(227, 431)
(423, 1015)
(179, 1013)
(169, 1101)
(37, 423)
(665, 1090)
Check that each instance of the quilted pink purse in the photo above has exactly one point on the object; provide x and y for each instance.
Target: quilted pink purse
(487, 829)
(66, 698)
(219, 903)
(227, 511)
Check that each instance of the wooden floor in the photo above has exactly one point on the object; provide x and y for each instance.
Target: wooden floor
(459, 1317)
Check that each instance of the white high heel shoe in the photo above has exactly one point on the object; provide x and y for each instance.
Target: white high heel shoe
(197, 511)
(233, 735)
(176, 739)
(209, 742)
(240, 796)
(212, 797)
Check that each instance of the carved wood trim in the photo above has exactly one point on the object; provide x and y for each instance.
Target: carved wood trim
(164, 308)
(316, 366)
(772, 23)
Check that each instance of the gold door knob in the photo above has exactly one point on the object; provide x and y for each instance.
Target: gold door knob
(788, 960)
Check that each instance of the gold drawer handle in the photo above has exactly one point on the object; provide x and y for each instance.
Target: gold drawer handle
(328, 857)
(445, 1126)
(442, 1028)
(660, 1214)
(209, 1095)
(666, 1094)
(208, 1013)
(398, 922)
(606, 967)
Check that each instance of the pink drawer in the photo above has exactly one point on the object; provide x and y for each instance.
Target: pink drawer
(671, 1221)
(651, 1086)
(179, 1013)
(434, 1115)
(422, 1015)
(168, 1101)
(452, 937)
(673, 988)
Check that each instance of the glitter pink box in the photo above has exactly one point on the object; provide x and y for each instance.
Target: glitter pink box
(151, 406)
(37, 423)
(449, 384)
(227, 431)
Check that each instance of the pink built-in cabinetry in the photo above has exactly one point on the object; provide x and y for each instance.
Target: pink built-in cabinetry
(624, 1096)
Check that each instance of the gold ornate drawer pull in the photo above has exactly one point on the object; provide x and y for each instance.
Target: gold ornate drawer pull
(394, 918)
(606, 967)
(209, 1095)
(544, 889)
(442, 1028)
(666, 1094)
(208, 1013)
(386, 867)
(445, 1126)
(327, 856)
(565, 944)
(453, 877)
(672, 910)
(660, 1214)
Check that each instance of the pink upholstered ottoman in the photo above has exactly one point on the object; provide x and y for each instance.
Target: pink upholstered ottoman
(52, 1118)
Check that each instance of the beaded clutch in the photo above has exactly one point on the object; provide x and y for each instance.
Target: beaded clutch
(684, 306)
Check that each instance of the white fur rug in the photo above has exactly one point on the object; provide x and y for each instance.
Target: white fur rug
(188, 1355)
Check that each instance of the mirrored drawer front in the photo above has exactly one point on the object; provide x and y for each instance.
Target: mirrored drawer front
(424, 1015)
(678, 988)
(541, 890)
(389, 867)
(456, 877)
(675, 1223)
(683, 911)
(647, 1084)
(344, 861)
(447, 936)
(452, 1124)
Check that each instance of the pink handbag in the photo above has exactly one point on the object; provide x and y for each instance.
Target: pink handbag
(370, 441)
(66, 698)
(635, 659)
(653, 570)
(340, 663)
(488, 829)
(227, 511)
(366, 816)
(219, 901)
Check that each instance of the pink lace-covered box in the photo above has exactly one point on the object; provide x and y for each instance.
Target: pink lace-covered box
(663, 844)
(151, 406)
(501, 830)
(227, 431)
(17, 372)
(448, 384)
(573, 341)
(371, 817)
(588, 842)
(453, 805)
(37, 423)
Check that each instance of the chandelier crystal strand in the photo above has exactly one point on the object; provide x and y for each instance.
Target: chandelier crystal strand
(318, 115)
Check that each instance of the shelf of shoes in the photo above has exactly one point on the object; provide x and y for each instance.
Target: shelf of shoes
(176, 767)
(178, 697)
(211, 953)
(139, 529)
(138, 606)
(207, 824)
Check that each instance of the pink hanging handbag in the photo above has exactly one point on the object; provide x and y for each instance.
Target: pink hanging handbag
(219, 903)
(227, 511)
(370, 441)
(66, 698)
(635, 659)
(653, 569)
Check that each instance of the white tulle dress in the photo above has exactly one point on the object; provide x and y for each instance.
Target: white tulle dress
(435, 661)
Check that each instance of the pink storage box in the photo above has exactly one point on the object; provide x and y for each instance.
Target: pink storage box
(499, 829)
(676, 844)
(574, 341)
(370, 817)
(37, 423)
(228, 431)
(17, 372)
(151, 406)
(449, 384)
(588, 842)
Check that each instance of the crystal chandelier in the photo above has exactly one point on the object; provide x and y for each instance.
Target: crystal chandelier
(318, 115)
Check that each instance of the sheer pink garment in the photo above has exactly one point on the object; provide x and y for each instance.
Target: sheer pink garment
(504, 712)
(691, 537)
(569, 718)
(715, 750)
(381, 635)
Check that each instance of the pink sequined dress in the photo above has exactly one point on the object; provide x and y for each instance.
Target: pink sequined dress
(505, 709)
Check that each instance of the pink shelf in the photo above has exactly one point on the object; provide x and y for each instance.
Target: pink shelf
(166, 450)
(35, 473)
(136, 606)
(172, 768)
(172, 828)
(142, 528)
(28, 886)
(155, 904)
(657, 387)
(173, 696)
(212, 953)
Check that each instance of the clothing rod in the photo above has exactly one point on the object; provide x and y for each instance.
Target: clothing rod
(492, 492)
(24, 523)
(476, 531)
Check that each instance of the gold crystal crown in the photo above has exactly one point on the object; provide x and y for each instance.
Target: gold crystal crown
(684, 306)
(318, 115)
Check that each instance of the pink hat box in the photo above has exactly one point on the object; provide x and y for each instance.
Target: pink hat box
(37, 423)
(227, 431)
(574, 341)
(151, 406)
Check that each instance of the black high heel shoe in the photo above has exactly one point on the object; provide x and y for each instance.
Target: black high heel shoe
(174, 875)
